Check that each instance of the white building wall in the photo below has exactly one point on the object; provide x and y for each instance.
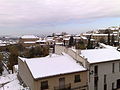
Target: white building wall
(105, 68)
(72, 53)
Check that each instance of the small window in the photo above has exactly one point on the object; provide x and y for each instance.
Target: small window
(105, 86)
(96, 70)
(44, 85)
(77, 78)
(113, 67)
(113, 86)
(104, 79)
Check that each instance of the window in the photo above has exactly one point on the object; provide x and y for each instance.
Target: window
(113, 67)
(96, 70)
(44, 85)
(104, 79)
(95, 83)
(105, 86)
(113, 86)
(118, 83)
(77, 78)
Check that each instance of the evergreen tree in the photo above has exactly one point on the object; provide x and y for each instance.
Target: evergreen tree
(112, 40)
(13, 57)
(108, 38)
(71, 41)
(1, 66)
(80, 45)
(32, 52)
(90, 44)
(102, 40)
(107, 31)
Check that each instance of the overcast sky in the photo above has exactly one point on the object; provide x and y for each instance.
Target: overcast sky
(46, 16)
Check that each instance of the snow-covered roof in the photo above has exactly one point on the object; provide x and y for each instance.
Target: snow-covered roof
(59, 43)
(29, 37)
(83, 37)
(98, 34)
(41, 40)
(77, 37)
(67, 39)
(107, 46)
(29, 42)
(1, 44)
(100, 55)
(54, 65)
(49, 38)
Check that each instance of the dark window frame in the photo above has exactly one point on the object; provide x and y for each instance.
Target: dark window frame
(77, 78)
(44, 85)
(96, 70)
(113, 67)
(105, 78)
(113, 84)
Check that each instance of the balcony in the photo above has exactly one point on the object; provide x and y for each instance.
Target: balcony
(65, 87)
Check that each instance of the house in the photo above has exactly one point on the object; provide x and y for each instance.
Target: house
(28, 40)
(54, 72)
(66, 41)
(99, 37)
(104, 68)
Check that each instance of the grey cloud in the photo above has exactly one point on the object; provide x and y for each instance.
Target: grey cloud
(28, 12)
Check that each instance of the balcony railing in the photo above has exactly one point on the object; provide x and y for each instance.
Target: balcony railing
(65, 87)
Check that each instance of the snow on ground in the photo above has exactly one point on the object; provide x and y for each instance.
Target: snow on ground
(5, 72)
(11, 82)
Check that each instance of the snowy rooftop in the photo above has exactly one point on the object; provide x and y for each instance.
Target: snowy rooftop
(77, 37)
(29, 36)
(83, 37)
(107, 46)
(59, 43)
(100, 55)
(67, 39)
(98, 34)
(29, 42)
(54, 65)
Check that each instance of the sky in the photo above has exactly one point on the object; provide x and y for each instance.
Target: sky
(18, 17)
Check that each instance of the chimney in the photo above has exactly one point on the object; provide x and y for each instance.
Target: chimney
(50, 51)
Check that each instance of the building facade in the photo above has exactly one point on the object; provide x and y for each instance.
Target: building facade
(72, 78)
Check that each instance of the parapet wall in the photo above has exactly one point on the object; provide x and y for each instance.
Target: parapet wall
(75, 54)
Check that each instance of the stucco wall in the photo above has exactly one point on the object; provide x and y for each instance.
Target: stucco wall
(69, 79)
(105, 69)
(25, 74)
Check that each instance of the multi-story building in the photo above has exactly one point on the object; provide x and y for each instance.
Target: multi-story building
(54, 72)
(28, 40)
(103, 66)
(98, 37)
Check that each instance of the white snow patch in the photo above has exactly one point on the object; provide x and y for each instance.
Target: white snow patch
(50, 66)
(100, 55)
(11, 82)
(29, 36)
